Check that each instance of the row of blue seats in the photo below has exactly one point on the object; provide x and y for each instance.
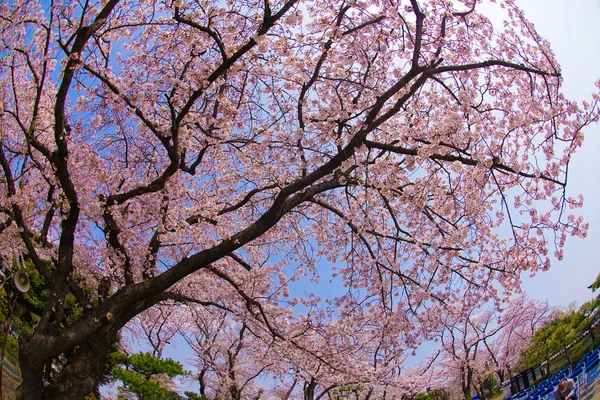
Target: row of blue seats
(586, 370)
(543, 388)
(589, 362)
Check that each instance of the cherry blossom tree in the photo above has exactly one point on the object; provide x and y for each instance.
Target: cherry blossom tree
(156, 327)
(462, 345)
(518, 321)
(480, 343)
(222, 153)
(229, 358)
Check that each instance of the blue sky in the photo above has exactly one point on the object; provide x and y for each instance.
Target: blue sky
(571, 26)
(572, 29)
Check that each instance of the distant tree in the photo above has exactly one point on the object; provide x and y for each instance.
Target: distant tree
(481, 347)
(596, 284)
(434, 394)
(560, 335)
(194, 396)
(422, 396)
(589, 313)
(157, 326)
(487, 387)
(439, 394)
(463, 349)
(146, 376)
(520, 318)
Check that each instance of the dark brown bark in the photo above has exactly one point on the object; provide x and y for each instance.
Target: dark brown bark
(79, 377)
(83, 372)
(31, 371)
(85, 361)
(309, 389)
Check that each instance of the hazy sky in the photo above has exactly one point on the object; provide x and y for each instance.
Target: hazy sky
(573, 30)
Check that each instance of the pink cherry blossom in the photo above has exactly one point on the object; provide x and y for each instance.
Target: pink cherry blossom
(161, 158)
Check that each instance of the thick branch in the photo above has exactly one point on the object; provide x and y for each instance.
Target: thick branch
(491, 63)
(453, 158)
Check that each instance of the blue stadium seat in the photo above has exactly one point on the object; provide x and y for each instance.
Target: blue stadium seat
(592, 369)
(577, 371)
(592, 363)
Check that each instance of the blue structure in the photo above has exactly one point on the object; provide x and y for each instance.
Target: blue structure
(585, 372)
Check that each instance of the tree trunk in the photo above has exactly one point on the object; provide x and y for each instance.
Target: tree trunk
(500, 374)
(290, 390)
(201, 382)
(85, 364)
(31, 372)
(566, 352)
(83, 373)
(78, 378)
(309, 389)
(482, 392)
(467, 394)
(467, 376)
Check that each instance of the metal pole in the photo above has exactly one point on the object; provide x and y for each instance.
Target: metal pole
(6, 330)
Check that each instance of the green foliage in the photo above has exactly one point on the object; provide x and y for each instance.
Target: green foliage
(440, 394)
(488, 387)
(11, 351)
(29, 306)
(434, 394)
(140, 375)
(562, 335)
(589, 308)
(422, 396)
(589, 312)
(194, 396)
(489, 383)
(596, 284)
(549, 340)
(138, 385)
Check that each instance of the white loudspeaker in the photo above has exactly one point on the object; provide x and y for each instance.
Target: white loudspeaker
(22, 281)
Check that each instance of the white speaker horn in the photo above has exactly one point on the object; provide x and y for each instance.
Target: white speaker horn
(22, 281)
